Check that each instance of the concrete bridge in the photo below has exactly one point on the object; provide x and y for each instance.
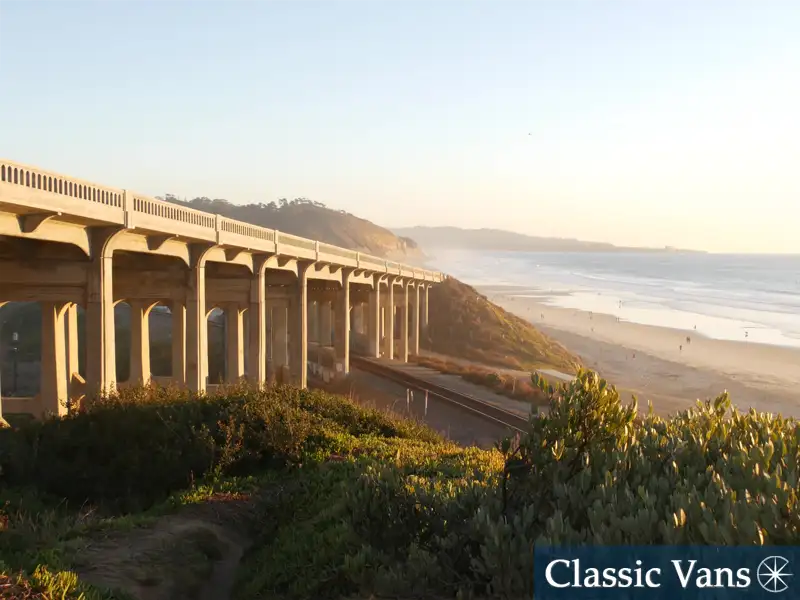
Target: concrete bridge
(68, 243)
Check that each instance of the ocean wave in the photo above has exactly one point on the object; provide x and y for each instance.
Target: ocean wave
(732, 292)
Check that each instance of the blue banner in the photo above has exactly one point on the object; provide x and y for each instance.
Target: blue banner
(666, 572)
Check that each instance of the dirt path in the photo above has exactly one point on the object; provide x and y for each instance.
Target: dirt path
(192, 554)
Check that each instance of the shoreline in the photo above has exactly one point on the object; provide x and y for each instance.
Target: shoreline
(660, 364)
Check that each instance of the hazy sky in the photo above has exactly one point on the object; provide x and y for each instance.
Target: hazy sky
(673, 122)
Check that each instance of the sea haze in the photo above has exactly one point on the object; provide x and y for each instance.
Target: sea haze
(752, 298)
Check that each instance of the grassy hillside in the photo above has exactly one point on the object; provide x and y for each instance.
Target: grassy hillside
(316, 221)
(465, 324)
(333, 501)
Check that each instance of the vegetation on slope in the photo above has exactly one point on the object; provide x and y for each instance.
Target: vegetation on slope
(66, 485)
(465, 324)
(313, 220)
(429, 522)
(504, 384)
(351, 502)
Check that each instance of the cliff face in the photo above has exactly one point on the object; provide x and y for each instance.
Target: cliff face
(316, 221)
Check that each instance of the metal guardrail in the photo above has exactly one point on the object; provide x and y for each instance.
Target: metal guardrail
(469, 403)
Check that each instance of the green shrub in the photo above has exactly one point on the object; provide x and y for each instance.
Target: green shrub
(438, 521)
(370, 505)
(133, 449)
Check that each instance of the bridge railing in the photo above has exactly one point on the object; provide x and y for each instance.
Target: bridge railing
(105, 204)
(81, 198)
(373, 262)
(347, 257)
(158, 215)
(301, 247)
(245, 235)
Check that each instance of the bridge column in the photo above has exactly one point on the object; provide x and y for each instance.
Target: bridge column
(73, 354)
(178, 310)
(342, 323)
(403, 310)
(324, 314)
(388, 322)
(298, 322)
(280, 338)
(374, 320)
(234, 343)
(382, 333)
(257, 325)
(101, 365)
(313, 320)
(415, 320)
(196, 325)
(140, 342)
(358, 318)
(53, 391)
(424, 311)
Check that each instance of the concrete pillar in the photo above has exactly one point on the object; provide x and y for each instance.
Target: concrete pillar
(362, 317)
(313, 321)
(196, 325)
(73, 355)
(101, 366)
(178, 310)
(234, 343)
(298, 323)
(358, 318)
(53, 391)
(140, 342)
(424, 314)
(257, 325)
(280, 337)
(388, 322)
(374, 321)
(415, 319)
(403, 310)
(324, 313)
(342, 323)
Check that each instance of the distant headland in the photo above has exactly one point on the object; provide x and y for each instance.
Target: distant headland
(498, 239)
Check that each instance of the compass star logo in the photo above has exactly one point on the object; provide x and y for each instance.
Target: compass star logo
(773, 574)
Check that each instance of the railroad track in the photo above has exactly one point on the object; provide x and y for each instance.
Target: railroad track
(466, 402)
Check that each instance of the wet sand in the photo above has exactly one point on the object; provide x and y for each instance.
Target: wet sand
(661, 365)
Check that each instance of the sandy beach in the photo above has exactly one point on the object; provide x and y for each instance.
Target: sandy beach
(661, 365)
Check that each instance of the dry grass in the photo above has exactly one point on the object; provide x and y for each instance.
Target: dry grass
(503, 384)
(465, 324)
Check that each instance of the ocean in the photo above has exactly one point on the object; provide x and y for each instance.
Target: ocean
(749, 298)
